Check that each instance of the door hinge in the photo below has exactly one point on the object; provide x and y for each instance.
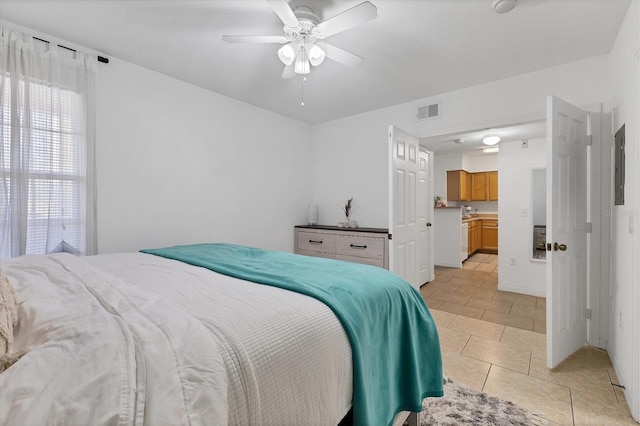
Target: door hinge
(589, 140)
(589, 227)
(588, 313)
(390, 236)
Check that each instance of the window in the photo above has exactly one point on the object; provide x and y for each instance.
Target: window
(43, 159)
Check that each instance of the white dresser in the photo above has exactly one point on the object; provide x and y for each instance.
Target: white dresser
(361, 245)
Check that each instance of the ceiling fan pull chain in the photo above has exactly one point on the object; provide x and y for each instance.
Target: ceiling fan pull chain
(304, 80)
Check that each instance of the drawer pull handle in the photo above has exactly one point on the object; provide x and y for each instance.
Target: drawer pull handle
(315, 242)
(357, 246)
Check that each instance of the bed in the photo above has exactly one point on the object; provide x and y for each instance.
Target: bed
(146, 338)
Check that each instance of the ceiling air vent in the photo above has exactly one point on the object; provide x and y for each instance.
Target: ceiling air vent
(428, 112)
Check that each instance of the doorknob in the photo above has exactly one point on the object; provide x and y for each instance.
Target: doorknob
(428, 223)
(561, 247)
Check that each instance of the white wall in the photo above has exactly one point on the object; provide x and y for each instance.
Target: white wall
(625, 301)
(480, 163)
(443, 163)
(350, 154)
(179, 164)
(515, 190)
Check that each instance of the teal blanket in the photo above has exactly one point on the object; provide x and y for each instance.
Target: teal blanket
(394, 341)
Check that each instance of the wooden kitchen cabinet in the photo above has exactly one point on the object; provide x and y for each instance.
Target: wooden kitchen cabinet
(489, 236)
(458, 185)
(483, 236)
(475, 236)
(493, 186)
(465, 186)
(479, 186)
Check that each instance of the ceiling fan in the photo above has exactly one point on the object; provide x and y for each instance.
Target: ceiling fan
(303, 32)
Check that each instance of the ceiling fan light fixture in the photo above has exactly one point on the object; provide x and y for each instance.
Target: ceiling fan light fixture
(287, 54)
(491, 140)
(316, 55)
(302, 65)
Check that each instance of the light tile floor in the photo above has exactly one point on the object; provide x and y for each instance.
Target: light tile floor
(491, 351)
(473, 291)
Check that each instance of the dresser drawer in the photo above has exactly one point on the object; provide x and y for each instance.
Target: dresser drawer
(365, 260)
(354, 245)
(315, 241)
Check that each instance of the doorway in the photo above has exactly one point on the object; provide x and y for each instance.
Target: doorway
(489, 231)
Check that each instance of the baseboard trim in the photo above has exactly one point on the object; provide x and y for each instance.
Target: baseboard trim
(449, 265)
(520, 290)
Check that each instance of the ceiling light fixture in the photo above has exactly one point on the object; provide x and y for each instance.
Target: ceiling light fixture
(302, 34)
(302, 62)
(287, 53)
(303, 53)
(491, 139)
(503, 6)
(491, 150)
(316, 55)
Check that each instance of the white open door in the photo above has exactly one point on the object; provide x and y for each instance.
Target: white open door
(424, 218)
(566, 230)
(403, 220)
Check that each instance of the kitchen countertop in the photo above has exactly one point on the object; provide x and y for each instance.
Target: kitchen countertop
(480, 216)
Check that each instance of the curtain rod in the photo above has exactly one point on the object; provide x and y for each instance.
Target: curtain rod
(100, 58)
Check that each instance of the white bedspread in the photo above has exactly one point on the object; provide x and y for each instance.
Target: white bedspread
(139, 339)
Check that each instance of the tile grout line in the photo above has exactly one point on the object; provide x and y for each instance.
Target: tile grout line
(465, 345)
(484, 383)
(573, 414)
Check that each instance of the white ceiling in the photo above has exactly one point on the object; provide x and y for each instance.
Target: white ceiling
(471, 142)
(414, 49)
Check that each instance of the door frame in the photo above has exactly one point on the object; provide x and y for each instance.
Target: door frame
(600, 196)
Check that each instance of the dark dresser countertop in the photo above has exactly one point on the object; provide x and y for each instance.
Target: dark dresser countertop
(338, 228)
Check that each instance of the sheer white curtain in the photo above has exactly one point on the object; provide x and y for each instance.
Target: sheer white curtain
(47, 148)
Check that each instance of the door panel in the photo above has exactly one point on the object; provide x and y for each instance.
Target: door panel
(424, 272)
(479, 186)
(403, 221)
(566, 228)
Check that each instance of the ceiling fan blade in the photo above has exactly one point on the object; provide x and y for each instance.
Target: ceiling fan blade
(288, 71)
(357, 15)
(254, 39)
(284, 12)
(340, 55)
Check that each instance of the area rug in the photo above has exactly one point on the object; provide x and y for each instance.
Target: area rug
(463, 406)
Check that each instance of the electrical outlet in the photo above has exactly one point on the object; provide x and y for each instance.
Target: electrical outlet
(513, 261)
(524, 212)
